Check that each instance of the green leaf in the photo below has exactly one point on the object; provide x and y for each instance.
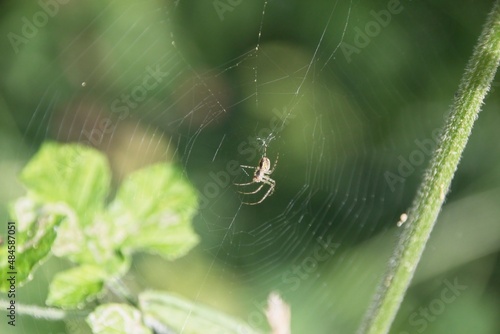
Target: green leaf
(78, 176)
(97, 244)
(73, 174)
(184, 316)
(29, 239)
(156, 206)
(117, 319)
(73, 287)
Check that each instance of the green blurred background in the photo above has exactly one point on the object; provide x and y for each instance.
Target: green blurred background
(80, 71)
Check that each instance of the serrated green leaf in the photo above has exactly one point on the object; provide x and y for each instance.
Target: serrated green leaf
(185, 316)
(73, 174)
(156, 206)
(29, 241)
(117, 319)
(73, 287)
(155, 189)
(97, 244)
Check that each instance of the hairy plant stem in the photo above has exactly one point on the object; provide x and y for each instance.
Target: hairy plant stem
(56, 314)
(423, 213)
(41, 312)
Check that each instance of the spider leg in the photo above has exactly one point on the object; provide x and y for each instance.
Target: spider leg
(272, 191)
(249, 167)
(243, 184)
(252, 192)
(267, 180)
(274, 166)
(270, 182)
(271, 188)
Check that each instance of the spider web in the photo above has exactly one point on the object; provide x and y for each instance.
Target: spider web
(323, 86)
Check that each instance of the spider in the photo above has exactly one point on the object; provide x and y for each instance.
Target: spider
(261, 175)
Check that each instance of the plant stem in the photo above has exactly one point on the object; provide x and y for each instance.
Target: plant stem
(47, 313)
(116, 286)
(423, 213)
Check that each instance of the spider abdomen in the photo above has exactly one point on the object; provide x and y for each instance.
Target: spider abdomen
(263, 169)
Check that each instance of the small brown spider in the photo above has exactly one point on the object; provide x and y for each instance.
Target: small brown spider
(261, 175)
